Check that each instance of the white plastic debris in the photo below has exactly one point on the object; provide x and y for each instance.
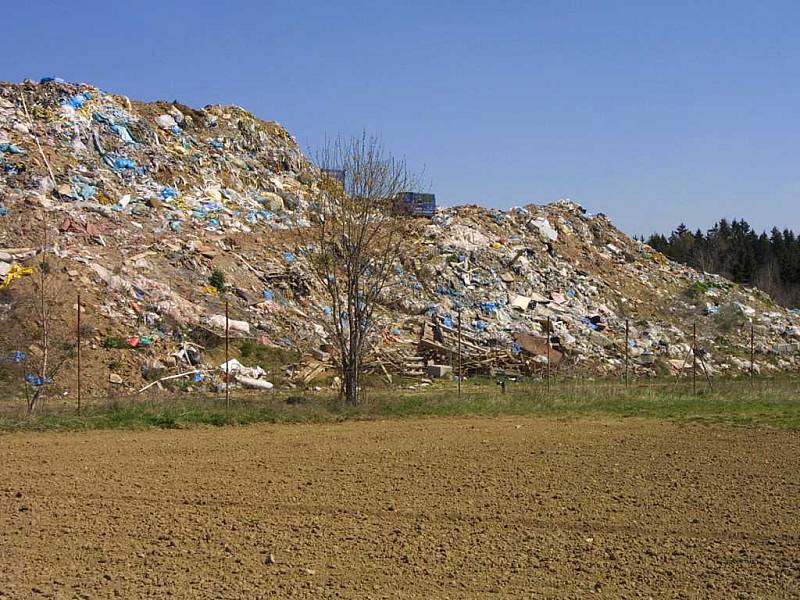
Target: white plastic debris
(544, 227)
(218, 322)
(166, 121)
(255, 384)
(233, 366)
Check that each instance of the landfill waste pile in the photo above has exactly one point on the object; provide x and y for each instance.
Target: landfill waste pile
(158, 214)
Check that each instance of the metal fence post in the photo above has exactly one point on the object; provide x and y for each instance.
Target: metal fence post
(227, 363)
(548, 354)
(694, 358)
(79, 351)
(752, 353)
(627, 338)
(460, 370)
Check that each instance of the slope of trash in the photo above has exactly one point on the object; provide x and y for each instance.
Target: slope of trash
(141, 202)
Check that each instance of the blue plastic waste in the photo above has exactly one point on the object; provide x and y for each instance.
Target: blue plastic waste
(327, 311)
(37, 380)
(78, 100)
(268, 295)
(447, 321)
(123, 133)
(124, 163)
(168, 193)
(16, 357)
(87, 191)
(216, 144)
(480, 325)
(197, 377)
(3, 211)
(586, 321)
(12, 149)
(289, 257)
(488, 307)
(51, 79)
(175, 226)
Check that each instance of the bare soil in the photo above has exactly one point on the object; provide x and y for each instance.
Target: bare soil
(419, 508)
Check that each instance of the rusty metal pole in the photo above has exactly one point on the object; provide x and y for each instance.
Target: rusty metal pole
(460, 370)
(752, 353)
(694, 358)
(79, 351)
(227, 363)
(627, 339)
(548, 354)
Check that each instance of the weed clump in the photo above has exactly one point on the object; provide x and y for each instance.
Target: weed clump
(217, 280)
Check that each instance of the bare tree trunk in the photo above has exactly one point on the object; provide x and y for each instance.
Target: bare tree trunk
(359, 241)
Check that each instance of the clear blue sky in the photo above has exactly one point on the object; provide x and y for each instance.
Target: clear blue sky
(651, 112)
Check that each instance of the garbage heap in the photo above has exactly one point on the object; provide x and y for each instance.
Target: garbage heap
(141, 203)
(534, 274)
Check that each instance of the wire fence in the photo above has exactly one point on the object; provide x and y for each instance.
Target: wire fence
(67, 390)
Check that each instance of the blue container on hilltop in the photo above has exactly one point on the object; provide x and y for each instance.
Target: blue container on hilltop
(416, 204)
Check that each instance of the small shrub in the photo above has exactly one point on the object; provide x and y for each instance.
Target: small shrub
(248, 348)
(217, 280)
(112, 341)
(698, 289)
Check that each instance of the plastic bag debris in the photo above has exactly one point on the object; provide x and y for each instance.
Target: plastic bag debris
(544, 227)
(16, 357)
(168, 193)
(250, 377)
(37, 380)
(218, 322)
(166, 121)
(256, 384)
(78, 100)
(16, 272)
(12, 149)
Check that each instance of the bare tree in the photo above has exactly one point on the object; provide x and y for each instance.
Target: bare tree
(358, 241)
(43, 308)
(35, 326)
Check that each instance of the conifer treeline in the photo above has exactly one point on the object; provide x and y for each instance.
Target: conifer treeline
(734, 250)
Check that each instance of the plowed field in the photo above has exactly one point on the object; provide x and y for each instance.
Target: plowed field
(417, 508)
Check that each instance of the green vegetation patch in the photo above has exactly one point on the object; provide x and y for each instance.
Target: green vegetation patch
(732, 402)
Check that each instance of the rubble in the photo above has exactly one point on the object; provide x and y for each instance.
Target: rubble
(146, 200)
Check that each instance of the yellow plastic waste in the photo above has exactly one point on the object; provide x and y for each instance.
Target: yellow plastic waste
(211, 291)
(176, 149)
(104, 199)
(16, 272)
